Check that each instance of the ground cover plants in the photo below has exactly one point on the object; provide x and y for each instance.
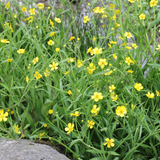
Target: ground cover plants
(89, 82)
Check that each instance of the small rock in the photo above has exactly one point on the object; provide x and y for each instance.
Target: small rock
(27, 150)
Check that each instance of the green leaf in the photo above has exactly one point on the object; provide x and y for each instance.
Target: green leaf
(46, 106)
(74, 142)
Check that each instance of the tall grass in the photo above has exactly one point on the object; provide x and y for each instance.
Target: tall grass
(89, 94)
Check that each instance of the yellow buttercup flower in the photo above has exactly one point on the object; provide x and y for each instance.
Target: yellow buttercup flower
(109, 143)
(90, 124)
(8, 5)
(142, 16)
(76, 114)
(50, 111)
(97, 96)
(3, 115)
(50, 42)
(150, 95)
(9, 60)
(70, 128)
(57, 20)
(121, 111)
(27, 79)
(21, 51)
(69, 92)
(138, 86)
(40, 5)
(102, 63)
(53, 66)
(86, 19)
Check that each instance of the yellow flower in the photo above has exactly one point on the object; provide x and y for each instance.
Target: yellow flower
(49, 7)
(4, 41)
(128, 34)
(69, 92)
(128, 60)
(117, 25)
(111, 88)
(158, 47)
(24, 9)
(32, 11)
(114, 56)
(138, 86)
(102, 63)
(37, 75)
(50, 111)
(80, 64)
(71, 38)
(95, 110)
(134, 45)
(109, 142)
(97, 51)
(133, 107)
(121, 111)
(35, 60)
(91, 68)
(12, 112)
(52, 34)
(21, 51)
(150, 95)
(45, 125)
(40, 5)
(66, 72)
(47, 73)
(9, 60)
(76, 114)
(16, 129)
(69, 128)
(70, 59)
(8, 5)
(86, 19)
(129, 71)
(128, 47)
(112, 42)
(158, 94)
(88, 4)
(51, 23)
(57, 20)
(131, 1)
(142, 16)
(90, 124)
(97, 96)
(153, 3)
(53, 66)
(57, 49)
(3, 115)
(94, 38)
(117, 12)
(90, 50)
(108, 72)
(50, 42)
(27, 79)
(15, 15)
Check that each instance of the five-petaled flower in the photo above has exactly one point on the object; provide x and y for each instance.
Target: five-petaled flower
(90, 124)
(142, 16)
(121, 111)
(40, 5)
(97, 96)
(21, 51)
(86, 19)
(69, 128)
(138, 86)
(53, 66)
(3, 115)
(50, 42)
(109, 142)
(150, 95)
(128, 34)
